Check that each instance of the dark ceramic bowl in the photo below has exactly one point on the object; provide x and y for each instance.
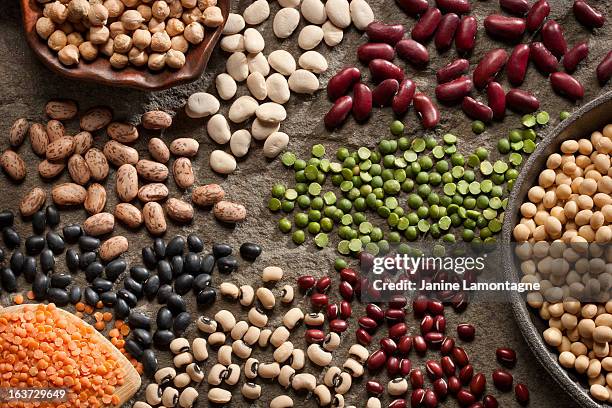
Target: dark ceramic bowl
(590, 117)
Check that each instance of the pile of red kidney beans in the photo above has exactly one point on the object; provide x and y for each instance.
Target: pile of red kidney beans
(449, 21)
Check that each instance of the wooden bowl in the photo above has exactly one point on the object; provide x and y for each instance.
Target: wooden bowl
(100, 70)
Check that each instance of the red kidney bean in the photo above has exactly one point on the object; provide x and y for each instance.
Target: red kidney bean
(314, 336)
(323, 284)
(374, 387)
(383, 94)
(478, 384)
(378, 31)
(420, 346)
(413, 52)
(342, 82)
(395, 315)
(367, 323)
(465, 398)
(430, 400)
(518, 7)
(417, 397)
(388, 345)
(517, 64)
(521, 101)
(448, 366)
(369, 51)
(454, 385)
(434, 369)
(338, 325)
(573, 57)
(587, 15)
(362, 105)
(363, 337)
(426, 26)
(447, 346)
(522, 393)
(496, 100)
(502, 379)
(382, 69)
(392, 366)
(476, 110)
(426, 324)
(459, 356)
(454, 90)
(440, 324)
(446, 31)
(332, 311)
(434, 339)
(506, 356)
(376, 360)
(489, 401)
(345, 310)
(544, 60)
(454, 6)
(338, 112)
(505, 28)
(604, 69)
(306, 282)
(538, 12)
(489, 66)
(402, 100)
(435, 307)
(398, 403)
(553, 38)
(398, 330)
(375, 313)
(319, 300)
(413, 7)
(465, 36)
(427, 110)
(466, 331)
(417, 379)
(466, 373)
(405, 366)
(452, 70)
(404, 344)
(346, 290)
(566, 85)
(440, 387)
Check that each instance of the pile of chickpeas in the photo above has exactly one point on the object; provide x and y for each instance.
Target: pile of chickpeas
(562, 242)
(155, 34)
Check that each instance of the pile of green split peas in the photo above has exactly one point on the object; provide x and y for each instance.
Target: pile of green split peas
(421, 187)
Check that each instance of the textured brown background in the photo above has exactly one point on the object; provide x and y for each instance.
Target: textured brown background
(26, 85)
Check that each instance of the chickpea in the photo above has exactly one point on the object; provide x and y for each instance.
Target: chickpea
(88, 51)
(141, 39)
(57, 40)
(204, 4)
(603, 234)
(160, 10)
(107, 48)
(563, 192)
(528, 210)
(99, 35)
(602, 199)
(547, 178)
(597, 221)
(585, 146)
(175, 59)
(189, 4)
(156, 61)
(44, 27)
(212, 17)
(117, 28)
(98, 15)
(588, 187)
(194, 33)
(145, 11)
(56, 11)
(69, 55)
(562, 179)
(156, 26)
(176, 9)
(591, 173)
(118, 61)
(160, 42)
(570, 168)
(77, 10)
(138, 57)
(584, 202)
(179, 43)
(550, 199)
(67, 27)
(123, 43)
(175, 27)
(75, 39)
(521, 233)
(191, 16)
(131, 3)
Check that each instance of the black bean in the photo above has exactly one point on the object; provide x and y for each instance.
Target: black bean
(6, 219)
(181, 322)
(183, 284)
(7, 277)
(139, 273)
(227, 264)
(128, 296)
(250, 251)
(29, 268)
(164, 293)
(58, 296)
(75, 294)
(1, 255)
(122, 310)
(94, 270)
(72, 232)
(53, 216)
(162, 338)
(177, 265)
(101, 285)
(221, 250)
(40, 286)
(17, 260)
(86, 259)
(164, 318)
(206, 296)
(139, 320)
(55, 242)
(108, 298)
(142, 336)
(149, 362)
(164, 270)
(201, 282)
(91, 297)
(60, 280)
(148, 257)
(39, 222)
(133, 286)
(207, 264)
(87, 243)
(176, 304)
(72, 259)
(114, 269)
(151, 286)
(47, 260)
(132, 347)
(194, 243)
(159, 246)
(34, 244)
(175, 246)
(10, 237)
(191, 264)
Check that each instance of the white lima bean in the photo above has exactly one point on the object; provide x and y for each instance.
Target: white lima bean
(226, 86)
(282, 62)
(258, 63)
(338, 12)
(313, 61)
(257, 86)
(274, 144)
(257, 12)
(234, 24)
(261, 130)
(237, 66)
(242, 109)
(218, 129)
(310, 36)
(232, 43)
(271, 112)
(253, 41)
(278, 88)
(201, 105)
(222, 162)
(361, 14)
(240, 142)
(303, 82)
(332, 35)
(314, 11)
(285, 22)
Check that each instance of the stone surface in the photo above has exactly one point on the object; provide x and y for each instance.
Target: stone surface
(26, 85)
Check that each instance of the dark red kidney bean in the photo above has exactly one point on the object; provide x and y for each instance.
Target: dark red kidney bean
(465, 374)
(426, 324)
(566, 85)
(448, 366)
(363, 337)
(392, 366)
(323, 284)
(489, 66)
(478, 384)
(440, 324)
(413, 52)
(536, 15)
(306, 282)
(466, 331)
(522, 393)
(434, 339)
(440, 387)
(465, 398)
(388, 345)
(332, 311)
(454, 385)
(427, 110)
(319, 300)
(434, 369)
(403, 98)
(521, 101)
(413, 7)
(587, 15)
(544, 60)
(341, 83)
(398, 302)
(465, 37)
(382, 69)
(398, 330)
(376, 360)
(459, 356)
(573, 57)
(518, 62)
(502, 379)
(345, 309)
(420, 346)
(476, 110)
(417, 379)
(314, 336)
(395, 315)
(496, 99)
(446, 31)
(489, 401)
(505, 28)
(452, 70)
(378, 31)
(430, 400)
(604, 69)
(338, 112)
(374, 387)
(506, 356)
(367, 323)
(417, 397)
(346, 290)
(375, 313)
(383, 94)
(404, 344)
(454, 6)
(426, 26)
(369, 51)
(338, 325)
(435, 307)
(447, 346)
(553, 38)
(398, 403)
(518, 7)
(405, 366)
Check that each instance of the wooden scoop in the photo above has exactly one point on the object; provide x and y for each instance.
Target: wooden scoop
(131, 376)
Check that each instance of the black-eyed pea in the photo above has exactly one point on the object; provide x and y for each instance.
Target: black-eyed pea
(219, 396)
(373, 402)
(331, 375)
(164, 375)
(304, 381)
(224, 355)
(179, 345)
(247, 295)
(195, 373)
(170, 397)
(318, 355)
(282, 401)
(397, 386)
(232, 375)
(251, 390)
(216, 374)
(264, 338)
(257, 317)
(229, 290)
(279, 336)
(268, 370)
(343, 383)
(182, 359)
(206, 324)
(298, 359)
(240, 349)
(338, 401)
(182, 380)
(266, 298)
(293, 317)
(216, 339)
(322, 395)
(287, 294)
(251, 336)
(239, 330)
(331, 341)
(250, 368)
(153, 394)
(353, 367)
(283, 352)
(188, 397)
(271, 274)
(226, 320)
(286, 376)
